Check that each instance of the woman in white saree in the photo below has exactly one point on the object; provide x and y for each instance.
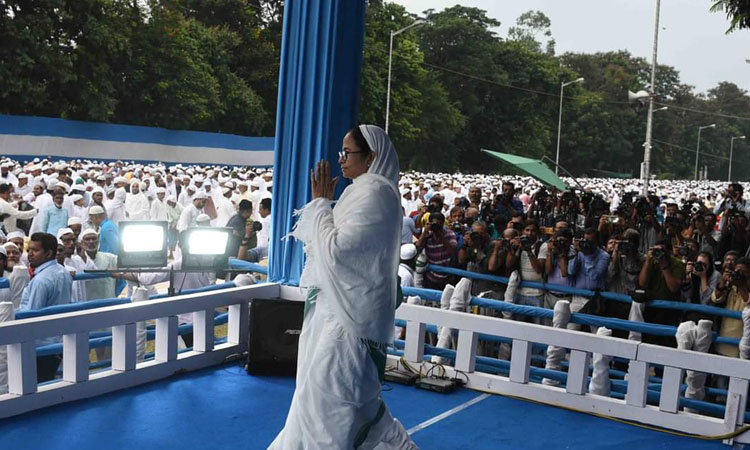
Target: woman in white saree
(352, 261)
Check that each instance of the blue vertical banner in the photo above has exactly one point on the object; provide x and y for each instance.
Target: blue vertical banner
(321, 61)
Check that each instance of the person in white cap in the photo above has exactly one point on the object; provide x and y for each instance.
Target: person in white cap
(24, 184)
(406, 266)
(109, 237)
(73, 263)
(186, 196)
(76, 224)
(224, 208)
(159, 205)
(9, 210)
(16, 272)
(136, 203)
(6, 176)
(192, 211)
(116, 206)
(92, 258)
(202, 220)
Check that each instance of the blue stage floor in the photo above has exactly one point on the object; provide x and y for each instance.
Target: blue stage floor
(223, 408)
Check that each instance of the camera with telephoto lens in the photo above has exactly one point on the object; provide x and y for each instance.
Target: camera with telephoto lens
(476, 237)
(525, 242)
(585, 245)
(561, 245)
(658, 254)
(624, 246)
(737, 277)
(699, 266)
(683, 250)
(436, 227)
(257, 226)
(457, 227)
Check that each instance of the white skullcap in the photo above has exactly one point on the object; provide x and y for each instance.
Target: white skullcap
(75, 221)
(23, 175)
(200, 195)
(161, 190)
(16, 234)
(202, 218)
(9, 244)
(3, 251)
(224, 190)
(75, 197)
(172, 198)
(408, 251)
(86, 232)
(63, 231)
(96, 209)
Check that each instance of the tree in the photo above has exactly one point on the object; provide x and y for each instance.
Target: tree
(738, 13)
(529, 25)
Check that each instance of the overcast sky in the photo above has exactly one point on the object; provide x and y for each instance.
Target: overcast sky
(691, 38)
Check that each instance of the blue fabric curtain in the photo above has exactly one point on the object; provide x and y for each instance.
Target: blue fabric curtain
(321, 60)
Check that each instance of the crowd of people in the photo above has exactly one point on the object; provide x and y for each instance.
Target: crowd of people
(684, 242)
(59, 219)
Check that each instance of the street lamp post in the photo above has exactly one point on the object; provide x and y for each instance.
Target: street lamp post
(559, 120)
(731, 151)
(390, 61)
(698, 148)
(646, 172)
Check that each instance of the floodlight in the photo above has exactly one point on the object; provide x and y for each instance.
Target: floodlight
(142, 244)
(205, 248)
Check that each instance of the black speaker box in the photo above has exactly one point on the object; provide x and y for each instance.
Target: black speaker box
(275, 326)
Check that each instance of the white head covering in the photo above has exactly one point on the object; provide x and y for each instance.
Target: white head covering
(75, 221)
(63, 231)
(386, 159)
(85, 233)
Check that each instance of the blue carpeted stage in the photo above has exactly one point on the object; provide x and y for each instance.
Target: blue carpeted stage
(224, 408)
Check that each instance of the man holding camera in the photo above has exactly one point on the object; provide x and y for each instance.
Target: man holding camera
(661, 277)
(475, 255)
(588, 268)
(507, 204)
(732, 292)
(440, 246)
(526, 257)
(732, 201)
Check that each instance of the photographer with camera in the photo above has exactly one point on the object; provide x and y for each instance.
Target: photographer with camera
(733, 234)
(506, 203)
(526, 257)
(500, 250)
(661, 277)
(732, 201)
(559, 251)
(588, 268)
(622, 274)
(732, 292)
(701, 281)
(702, 230)
(440, 246)
(475, 255)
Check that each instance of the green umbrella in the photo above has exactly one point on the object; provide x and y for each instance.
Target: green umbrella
(533, 167)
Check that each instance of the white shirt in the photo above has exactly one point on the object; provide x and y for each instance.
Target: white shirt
(407, 275)
(187, 218)
(15, 214)
(137, 206)
(224, 210)
(158, 210)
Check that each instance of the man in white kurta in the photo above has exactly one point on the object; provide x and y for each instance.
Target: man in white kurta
(136, 202)
(92, 258)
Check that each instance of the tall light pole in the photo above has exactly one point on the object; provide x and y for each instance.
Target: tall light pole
(646, 171)
(698, 148)
(731, 150)
(390, 62)
(559, 120)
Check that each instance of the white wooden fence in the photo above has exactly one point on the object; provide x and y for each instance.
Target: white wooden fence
(21, 335)
(582, 345)
(25, 395)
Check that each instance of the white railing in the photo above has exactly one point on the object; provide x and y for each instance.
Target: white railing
(20, 336)
(582, 345)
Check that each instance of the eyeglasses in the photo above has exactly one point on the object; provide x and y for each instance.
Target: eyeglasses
(344, 155)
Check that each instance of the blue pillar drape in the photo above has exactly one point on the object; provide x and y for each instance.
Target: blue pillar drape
(321, 60)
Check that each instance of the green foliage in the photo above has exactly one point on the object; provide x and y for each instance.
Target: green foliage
(737, 11)
(457, 86)
(200, 65)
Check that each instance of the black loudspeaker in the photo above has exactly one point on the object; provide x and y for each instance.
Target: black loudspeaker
(275, 326)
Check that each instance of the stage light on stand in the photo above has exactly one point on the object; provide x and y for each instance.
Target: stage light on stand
(142, 244)
(205, 248)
